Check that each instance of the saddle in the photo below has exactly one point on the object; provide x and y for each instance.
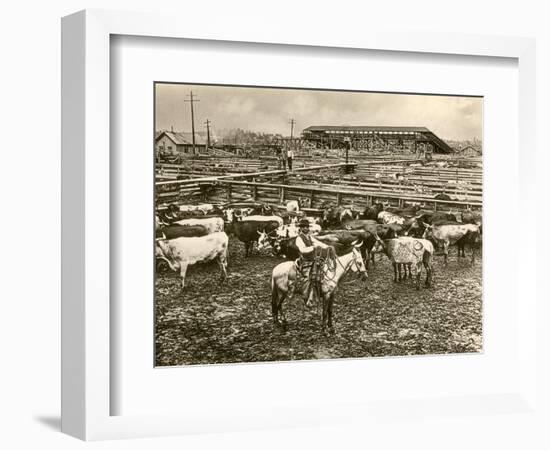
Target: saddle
(309, 271)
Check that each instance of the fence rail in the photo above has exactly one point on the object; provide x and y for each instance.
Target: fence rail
(195, 188)
(229, 190)
(328, 183)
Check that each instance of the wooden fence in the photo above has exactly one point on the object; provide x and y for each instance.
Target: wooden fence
(195, 189)
(427, 186)
(226, 191)
(322, 184)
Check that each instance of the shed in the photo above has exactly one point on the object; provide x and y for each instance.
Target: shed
(179, 143)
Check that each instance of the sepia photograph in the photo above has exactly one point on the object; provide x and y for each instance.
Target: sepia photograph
(306, 224)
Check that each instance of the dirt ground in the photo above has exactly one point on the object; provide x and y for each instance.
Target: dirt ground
(211, 322)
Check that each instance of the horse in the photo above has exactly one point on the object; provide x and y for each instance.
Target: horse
(332, 272)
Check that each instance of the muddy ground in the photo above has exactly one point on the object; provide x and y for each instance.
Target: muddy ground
(231, 322)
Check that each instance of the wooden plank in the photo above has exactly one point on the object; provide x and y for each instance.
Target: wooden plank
(321, 192)
(255, 174)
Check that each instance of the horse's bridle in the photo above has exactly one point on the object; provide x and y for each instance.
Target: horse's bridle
(357, 264)
(354, 261)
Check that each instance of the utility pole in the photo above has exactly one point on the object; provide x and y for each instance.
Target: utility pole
(191, 100)
(291, 122)
(207, 134)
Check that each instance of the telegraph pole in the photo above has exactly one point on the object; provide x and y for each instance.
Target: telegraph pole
(207, 123)
(191, 100)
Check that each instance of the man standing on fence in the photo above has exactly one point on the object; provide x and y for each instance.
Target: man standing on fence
(282, 155)
(289, 156)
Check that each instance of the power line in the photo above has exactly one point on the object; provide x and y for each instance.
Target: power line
(207, 123)
(192, 100)
(291, 122)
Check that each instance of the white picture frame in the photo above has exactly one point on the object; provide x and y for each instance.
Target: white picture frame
(86, 387)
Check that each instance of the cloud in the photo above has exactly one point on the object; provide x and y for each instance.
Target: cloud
(269, 110)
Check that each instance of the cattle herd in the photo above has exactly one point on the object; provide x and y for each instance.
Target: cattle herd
(410, 237)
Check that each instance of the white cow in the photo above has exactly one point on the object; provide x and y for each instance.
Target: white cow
(229, 214)
(203, 208)
(182, 252)
(287, 231)
(314, 220)
(447, 234)
(314, 228)
(390, 218)
(292, 230)
(259, 218)
(237, 213)
(284, 232)
(212, 224)
(293, 206)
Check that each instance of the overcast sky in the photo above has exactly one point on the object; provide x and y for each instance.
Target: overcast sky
(269, 110)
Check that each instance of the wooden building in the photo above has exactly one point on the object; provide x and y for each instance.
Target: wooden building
(371, 138)
(470, 152)
(174, 143)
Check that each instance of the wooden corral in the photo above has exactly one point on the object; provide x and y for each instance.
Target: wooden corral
(199, 188)
(358, 184)
(215, 166)
(318, 195)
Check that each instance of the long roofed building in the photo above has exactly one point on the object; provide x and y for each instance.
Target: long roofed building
(371, 137)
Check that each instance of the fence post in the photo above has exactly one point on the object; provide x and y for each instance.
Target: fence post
(204, 192)
(281, 195)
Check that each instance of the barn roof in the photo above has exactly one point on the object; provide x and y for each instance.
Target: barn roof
(470, 148)
(363, 128)
(439, 143)
(182, 138)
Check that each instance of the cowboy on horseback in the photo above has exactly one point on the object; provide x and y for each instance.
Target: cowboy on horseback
(315, 275)
(306, 264)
